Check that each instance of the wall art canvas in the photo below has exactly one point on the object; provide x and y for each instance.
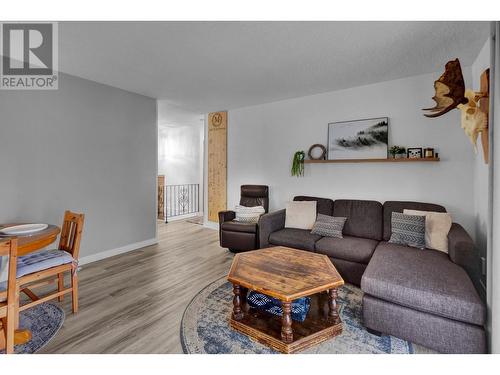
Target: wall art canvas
(360, 139)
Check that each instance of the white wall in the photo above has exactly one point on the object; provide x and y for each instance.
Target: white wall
(180, 154)
(86, 147)
(180, 146)
(481, 179)
(494, 286)
(263, 138)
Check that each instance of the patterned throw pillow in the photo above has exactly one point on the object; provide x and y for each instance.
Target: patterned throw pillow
(248, 214)
(300, 307)
(329, 226)
(437, 227)
(408, 230)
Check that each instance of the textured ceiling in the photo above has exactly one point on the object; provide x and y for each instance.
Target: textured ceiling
(205, 66)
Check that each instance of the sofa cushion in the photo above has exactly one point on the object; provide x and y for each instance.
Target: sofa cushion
(246, 214)
(349, 248)
(236, 226)
(399, 206)
(329, 226)
(437, 227)
(292, 237)
(300, 215)
(424, 280)
(408, 230)
(323, 206)
(364, 218)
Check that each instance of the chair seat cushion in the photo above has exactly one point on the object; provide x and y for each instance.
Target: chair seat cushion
(424, 280)
(293, 237)
(42, 260)
(235, 226)
(354, 249)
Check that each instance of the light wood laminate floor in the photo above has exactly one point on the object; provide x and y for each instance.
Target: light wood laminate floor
(133, 303)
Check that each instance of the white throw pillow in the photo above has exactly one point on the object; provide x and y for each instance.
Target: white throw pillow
(300, 214)
(248, 214)
(437, 226)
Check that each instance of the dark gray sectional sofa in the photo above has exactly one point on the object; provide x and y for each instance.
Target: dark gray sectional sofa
(423, 296)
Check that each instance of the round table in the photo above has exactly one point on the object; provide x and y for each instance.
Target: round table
(27, 244)
(32, 242)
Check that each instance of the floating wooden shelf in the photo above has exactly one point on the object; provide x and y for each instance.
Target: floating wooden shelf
(403, 160)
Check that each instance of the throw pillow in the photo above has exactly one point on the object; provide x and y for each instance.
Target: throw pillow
(248, 214)
(300, 214)
(329, 226)
(408, 230)
(437, 227)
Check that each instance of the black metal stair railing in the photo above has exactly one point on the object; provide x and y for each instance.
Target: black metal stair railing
(181, 199)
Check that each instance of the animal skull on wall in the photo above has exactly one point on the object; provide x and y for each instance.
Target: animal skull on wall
(451, 93)
(474, 121)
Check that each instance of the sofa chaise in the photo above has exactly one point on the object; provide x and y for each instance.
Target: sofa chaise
(423, 296)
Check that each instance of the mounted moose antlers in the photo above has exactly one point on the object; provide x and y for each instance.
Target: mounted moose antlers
(451, 93)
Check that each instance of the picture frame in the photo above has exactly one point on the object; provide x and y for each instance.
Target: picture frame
(414, 153)
(358, 139)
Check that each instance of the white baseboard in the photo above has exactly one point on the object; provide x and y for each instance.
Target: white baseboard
(120, 250)
(183, 217)
(211, 225)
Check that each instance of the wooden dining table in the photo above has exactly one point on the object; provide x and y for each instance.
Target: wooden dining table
(27, 244)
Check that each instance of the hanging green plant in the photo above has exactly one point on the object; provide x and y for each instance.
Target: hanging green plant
(298, 164)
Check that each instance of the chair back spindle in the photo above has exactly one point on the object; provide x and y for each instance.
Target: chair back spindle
(71, 233)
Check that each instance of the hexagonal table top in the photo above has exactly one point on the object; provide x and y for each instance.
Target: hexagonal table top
(284, 273)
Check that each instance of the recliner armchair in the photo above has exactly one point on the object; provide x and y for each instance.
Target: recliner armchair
(237, 236)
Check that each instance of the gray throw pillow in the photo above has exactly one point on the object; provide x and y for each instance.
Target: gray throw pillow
(329, 226)
(408, 230)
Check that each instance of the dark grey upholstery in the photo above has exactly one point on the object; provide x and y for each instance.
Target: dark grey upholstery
(239, 236)
(296, 238)
(423, 296)
(236, 226)
(255, 195)
(432, 331)
(323, 206)
(423, 280)
(354, 249)
(351, 272)
(399, 206)
(462, 251)
(364, 218)
(269, 223)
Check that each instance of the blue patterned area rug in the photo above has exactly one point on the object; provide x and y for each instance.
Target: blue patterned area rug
(205, 327)
(44, 321)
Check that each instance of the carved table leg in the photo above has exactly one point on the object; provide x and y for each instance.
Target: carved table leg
(332, 304)
(237, 311)
(286, 322)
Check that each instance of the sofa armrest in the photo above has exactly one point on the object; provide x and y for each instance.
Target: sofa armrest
(269, 223)
(461, 248)
(226, 216)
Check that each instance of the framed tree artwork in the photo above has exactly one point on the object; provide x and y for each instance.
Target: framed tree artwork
(359, 139)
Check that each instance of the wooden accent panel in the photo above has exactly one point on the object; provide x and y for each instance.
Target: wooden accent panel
(217, 164)
(161, 197)
(402, 160)
(484, 106)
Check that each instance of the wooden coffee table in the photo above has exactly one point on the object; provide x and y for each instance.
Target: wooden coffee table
(286, 274)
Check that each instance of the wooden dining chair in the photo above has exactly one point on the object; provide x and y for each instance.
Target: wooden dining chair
(45, 267)
(9, 293)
